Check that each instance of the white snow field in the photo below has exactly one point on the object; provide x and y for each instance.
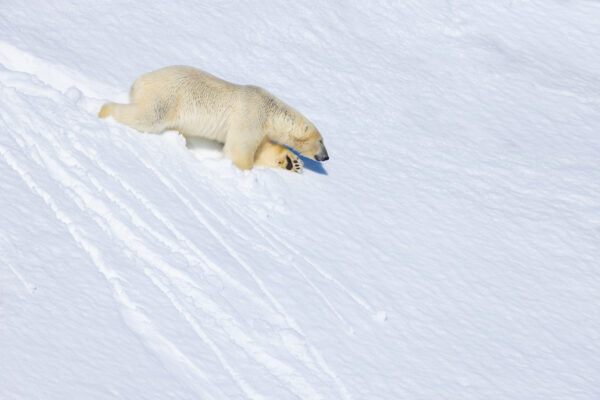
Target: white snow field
(449, 249)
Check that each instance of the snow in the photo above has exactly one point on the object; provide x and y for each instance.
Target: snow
(448, 249)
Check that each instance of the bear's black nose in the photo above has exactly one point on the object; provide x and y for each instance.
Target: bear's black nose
(322, 156)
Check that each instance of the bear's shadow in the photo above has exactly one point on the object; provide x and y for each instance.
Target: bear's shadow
(311, 165)
(206, 148)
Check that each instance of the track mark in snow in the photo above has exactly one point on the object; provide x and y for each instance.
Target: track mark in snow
(358, 299)
(241, 382)
(137, 321)
(276, 367)
(283, 371)
(271, 251)
(291, 322)
(28, 286)
(234, 254)
(196, 258)
(143, 324)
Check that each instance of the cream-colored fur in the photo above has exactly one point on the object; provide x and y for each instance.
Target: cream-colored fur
(247, 119)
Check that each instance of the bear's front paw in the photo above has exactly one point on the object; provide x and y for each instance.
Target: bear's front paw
(291, 162)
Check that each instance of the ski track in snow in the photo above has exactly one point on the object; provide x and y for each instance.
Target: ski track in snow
(90, 194)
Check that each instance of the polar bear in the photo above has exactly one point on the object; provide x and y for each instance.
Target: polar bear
(251, 122)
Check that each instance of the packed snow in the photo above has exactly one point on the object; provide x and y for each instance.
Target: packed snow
(449, 249)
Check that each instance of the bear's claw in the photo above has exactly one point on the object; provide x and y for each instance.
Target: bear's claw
(298, 165)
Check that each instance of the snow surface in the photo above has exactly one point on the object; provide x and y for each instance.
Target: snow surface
(448, 250)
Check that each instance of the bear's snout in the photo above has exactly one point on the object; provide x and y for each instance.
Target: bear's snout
(322, 156)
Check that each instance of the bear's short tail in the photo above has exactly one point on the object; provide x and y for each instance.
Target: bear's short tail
(132, 115)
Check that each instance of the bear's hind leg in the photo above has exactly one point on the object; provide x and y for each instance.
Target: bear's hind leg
(134, 116)
(275, 155)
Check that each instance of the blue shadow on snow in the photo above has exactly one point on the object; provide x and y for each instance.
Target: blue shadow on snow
(311, 165)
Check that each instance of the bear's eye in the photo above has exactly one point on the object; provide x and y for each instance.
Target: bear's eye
(305, 128)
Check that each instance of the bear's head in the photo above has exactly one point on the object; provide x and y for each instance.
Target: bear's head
(309, 142)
